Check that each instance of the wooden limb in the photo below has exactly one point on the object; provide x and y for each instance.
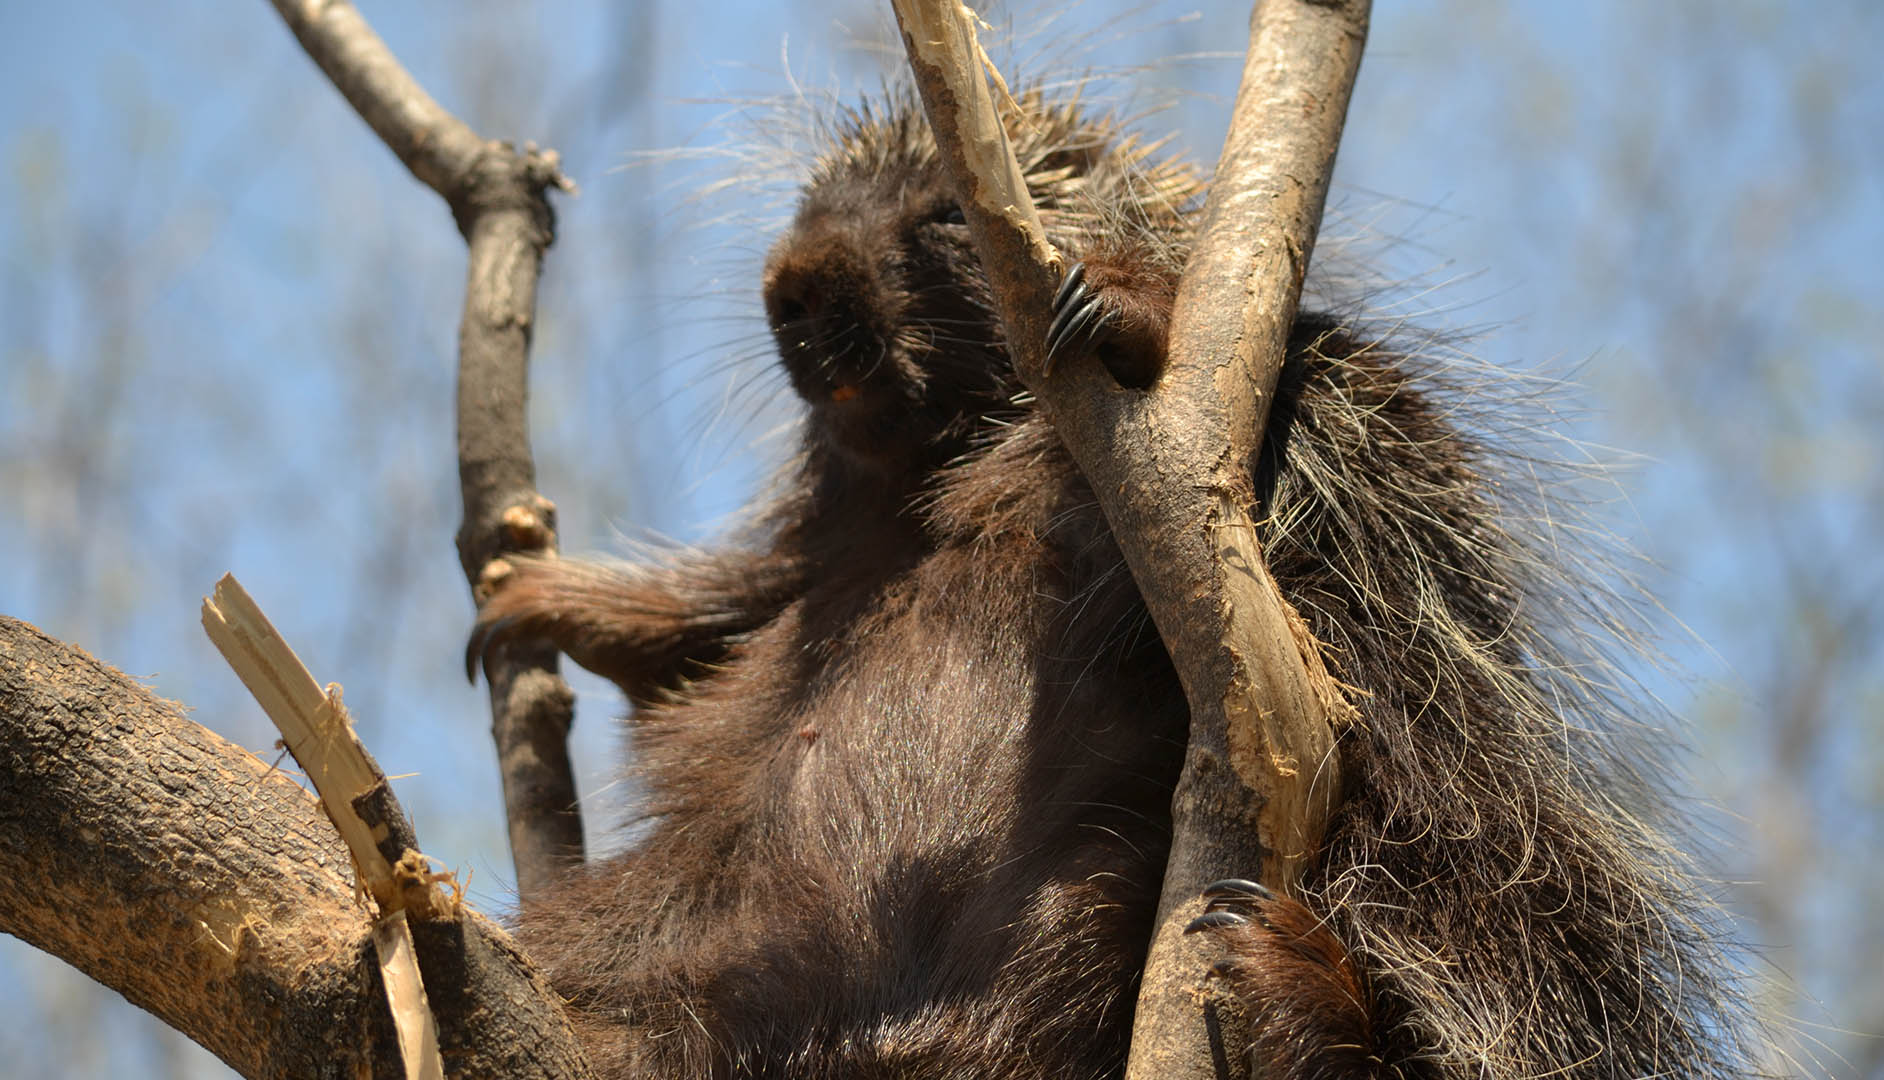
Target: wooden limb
(1172, 466)
(204, 885)
(499, 199)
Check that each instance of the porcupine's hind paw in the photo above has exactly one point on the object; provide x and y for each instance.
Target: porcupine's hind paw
(1117, 314)
(1311, 1015)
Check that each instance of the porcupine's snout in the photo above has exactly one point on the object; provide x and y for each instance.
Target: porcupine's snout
(830, 312)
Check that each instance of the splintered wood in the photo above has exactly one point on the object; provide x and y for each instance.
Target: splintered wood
(315, 728)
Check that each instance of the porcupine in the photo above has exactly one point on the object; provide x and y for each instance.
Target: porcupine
(908, 748)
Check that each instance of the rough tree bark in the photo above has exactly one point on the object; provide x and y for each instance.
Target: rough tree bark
(1172, 466)
(499, 199)
(206, 886)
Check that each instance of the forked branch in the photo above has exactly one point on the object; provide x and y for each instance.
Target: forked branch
(1172, 466)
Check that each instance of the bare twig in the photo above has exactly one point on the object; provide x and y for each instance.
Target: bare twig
(498, 197)
(1172, 467)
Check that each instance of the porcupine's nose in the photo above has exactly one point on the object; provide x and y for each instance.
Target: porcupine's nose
(823, 302)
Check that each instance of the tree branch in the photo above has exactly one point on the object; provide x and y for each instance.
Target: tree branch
(499, 200)
(205, 885)
(1172, 467)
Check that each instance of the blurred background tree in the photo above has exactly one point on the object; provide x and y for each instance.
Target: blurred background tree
(230, 324)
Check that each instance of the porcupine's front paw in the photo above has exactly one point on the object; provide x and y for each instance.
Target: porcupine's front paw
(519, 603)
(1118, 314)
(1310, 1010)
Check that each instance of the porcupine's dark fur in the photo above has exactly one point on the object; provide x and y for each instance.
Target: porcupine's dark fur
(908, 755)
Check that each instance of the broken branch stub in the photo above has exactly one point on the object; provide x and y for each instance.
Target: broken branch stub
(315, 728)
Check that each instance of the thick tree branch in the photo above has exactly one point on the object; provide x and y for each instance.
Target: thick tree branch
(499, 199)
(1172, 467)
(206, 886)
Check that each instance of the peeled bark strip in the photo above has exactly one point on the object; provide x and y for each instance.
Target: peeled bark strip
(499, 199)
(1172, 467)
(205, 885)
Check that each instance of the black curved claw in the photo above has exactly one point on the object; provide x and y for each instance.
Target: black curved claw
(1071, 323)
(1237, 896)
(1215, 920)
(1237, 889)
(1075, 312)
(1074, 279)
(484, 637)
